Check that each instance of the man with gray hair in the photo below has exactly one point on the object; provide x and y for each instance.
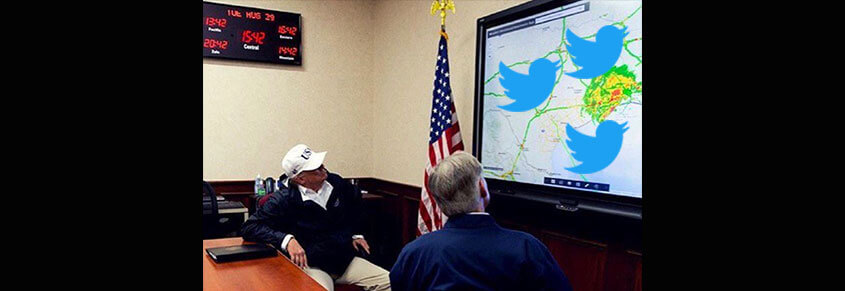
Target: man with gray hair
(472, 252)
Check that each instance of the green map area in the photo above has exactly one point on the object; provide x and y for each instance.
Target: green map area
(607, 92)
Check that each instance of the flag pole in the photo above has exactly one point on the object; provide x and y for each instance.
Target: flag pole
(444, 130)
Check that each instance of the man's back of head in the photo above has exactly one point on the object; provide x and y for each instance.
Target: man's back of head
(454, 184)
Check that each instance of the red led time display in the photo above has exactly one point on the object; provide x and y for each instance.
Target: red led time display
(287, 30)
(288, 51)
(215, 22)
(253, 34)
(214, 43)
(253, 37)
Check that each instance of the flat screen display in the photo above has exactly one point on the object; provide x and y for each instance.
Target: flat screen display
(561, 98)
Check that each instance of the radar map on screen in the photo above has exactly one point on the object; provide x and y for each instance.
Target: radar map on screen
(559, 142)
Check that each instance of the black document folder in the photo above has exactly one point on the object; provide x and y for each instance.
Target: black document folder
(240, 252)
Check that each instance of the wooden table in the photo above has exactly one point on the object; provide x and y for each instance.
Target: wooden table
(275, 273)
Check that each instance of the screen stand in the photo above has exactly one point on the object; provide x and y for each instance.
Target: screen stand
(567, 205)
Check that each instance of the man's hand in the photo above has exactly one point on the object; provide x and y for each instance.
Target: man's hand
(297, 253)
(363, 243)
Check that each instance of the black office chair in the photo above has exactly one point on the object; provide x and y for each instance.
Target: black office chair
(215, 225)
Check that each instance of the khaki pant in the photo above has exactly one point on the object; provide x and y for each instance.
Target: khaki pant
(360, 273)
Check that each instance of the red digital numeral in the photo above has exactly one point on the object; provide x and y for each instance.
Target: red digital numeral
(291, 51)
(269, 16)
(218, 22)
(213, 43)
(249, 36)
(287, 30)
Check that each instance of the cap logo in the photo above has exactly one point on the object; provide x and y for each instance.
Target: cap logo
(306, 154)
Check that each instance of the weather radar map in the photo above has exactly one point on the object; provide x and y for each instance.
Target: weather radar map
(546, 123)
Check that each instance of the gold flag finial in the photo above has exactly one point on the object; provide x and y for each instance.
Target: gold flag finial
(442, 5)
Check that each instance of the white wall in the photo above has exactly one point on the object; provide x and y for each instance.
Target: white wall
(253, 113)
(363, 92)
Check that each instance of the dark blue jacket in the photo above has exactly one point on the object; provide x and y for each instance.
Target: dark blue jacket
(472, 252)
(326, 235)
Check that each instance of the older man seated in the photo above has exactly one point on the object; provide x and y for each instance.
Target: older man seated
(472, 252)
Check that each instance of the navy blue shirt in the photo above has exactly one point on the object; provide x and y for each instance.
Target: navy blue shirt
(472, 252)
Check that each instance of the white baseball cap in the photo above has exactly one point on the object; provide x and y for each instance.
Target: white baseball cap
(300, 158)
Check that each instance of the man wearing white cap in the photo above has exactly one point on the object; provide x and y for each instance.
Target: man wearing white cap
(314, 219)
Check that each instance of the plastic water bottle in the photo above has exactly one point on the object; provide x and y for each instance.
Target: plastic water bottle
(259, 186)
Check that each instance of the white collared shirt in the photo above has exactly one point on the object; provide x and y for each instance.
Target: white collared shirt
(321, 197)
(477, 213)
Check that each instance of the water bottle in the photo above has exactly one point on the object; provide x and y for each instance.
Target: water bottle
(259, 186)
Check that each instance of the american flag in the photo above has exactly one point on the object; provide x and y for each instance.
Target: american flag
(444, 138)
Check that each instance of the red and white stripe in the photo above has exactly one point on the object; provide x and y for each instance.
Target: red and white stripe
(430, 217)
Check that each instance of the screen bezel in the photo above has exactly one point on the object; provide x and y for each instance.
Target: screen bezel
(609, 203)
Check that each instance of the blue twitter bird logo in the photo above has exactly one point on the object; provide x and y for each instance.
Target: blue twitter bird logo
(595, 153)
(595, 58)
(528, 91)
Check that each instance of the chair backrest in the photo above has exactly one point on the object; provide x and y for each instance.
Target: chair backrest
(208, 190)
(215, 225)
(264, 199)
(277, 188)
